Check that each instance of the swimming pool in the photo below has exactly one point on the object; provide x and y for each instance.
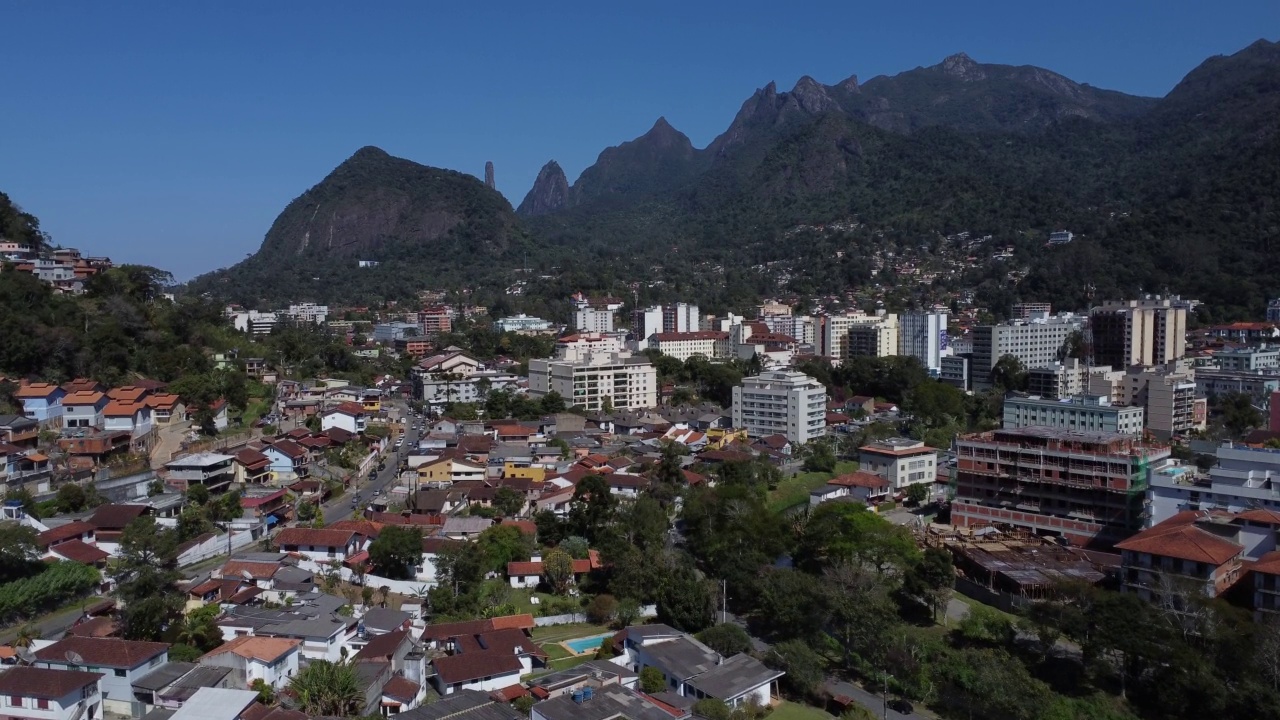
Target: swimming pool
(582, 645)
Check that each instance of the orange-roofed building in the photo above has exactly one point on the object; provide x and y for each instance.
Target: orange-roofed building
(165, 408)
(129, 393)
(1190, 549)
(83, 409)
(41, 402)
(274, 660)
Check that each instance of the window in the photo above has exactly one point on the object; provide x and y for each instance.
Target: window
(42, 704)
(15, 701)
(120, 673)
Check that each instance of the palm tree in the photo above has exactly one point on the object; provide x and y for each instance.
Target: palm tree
(27, 634)
(327, 688)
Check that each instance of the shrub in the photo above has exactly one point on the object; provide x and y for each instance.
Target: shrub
(652, 680)
(57, 584)
(602, 609)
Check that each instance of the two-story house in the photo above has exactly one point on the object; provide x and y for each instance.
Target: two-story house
(288, 460)
(349, 416)
(1191, 551)
(252, 468)
(20, 431)
(126, 416)
(273, 660)
(165, 408)
(41, 402)
(46, 694)
(83, 409)
(120, 662)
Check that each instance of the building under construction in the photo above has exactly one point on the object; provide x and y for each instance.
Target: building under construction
(1085, 487)
(1018, 565)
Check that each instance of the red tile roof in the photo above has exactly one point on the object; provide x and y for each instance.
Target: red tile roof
(127, 393)
(1269, 563)
(83, 397)
(289, 449)
(444, 631)
(80, 551)
(296, 536)
(509, 693)
(1261, 516)
(35, 390)
(44, 683)
(251, 459)
(122, 408)
(236, 569)
(102, 652)
(94, 627)
(346, 408)
(116, 517)
(473, 666)
(1179, 537)
(254, 647)
(64, 532)
(860, 479)
(259, 500)
(400, 688)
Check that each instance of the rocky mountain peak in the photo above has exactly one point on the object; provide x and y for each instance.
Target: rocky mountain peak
(850, 84)
(963, 67)
(811, 96)
(550, 192)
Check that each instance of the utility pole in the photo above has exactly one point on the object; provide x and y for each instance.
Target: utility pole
(724, 601)
(885, 698)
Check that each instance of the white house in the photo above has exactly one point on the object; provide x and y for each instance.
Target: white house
(320, 547)
(83, 409)
(46, 694)
(486, 661)
(901, 461)
(691, 669)
(274, 660)
(349, 416)
(128, 661)
(863, 487)
(131, 417)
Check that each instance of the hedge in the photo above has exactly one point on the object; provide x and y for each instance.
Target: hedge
(58, 584)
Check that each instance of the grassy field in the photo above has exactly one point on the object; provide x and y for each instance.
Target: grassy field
(787, 710)
(795, 489)
(560, 633)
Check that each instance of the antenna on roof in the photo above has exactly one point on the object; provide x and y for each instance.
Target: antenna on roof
(246, 575)
(25, 655)
(74, 658)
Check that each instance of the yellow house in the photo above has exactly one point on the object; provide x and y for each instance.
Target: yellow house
(372, 401)
(447, 471)
(522, 470)
(718, 438)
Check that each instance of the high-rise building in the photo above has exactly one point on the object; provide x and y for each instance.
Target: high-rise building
(880, 339)
(593, 320)
(595, 381)
(1168, 393)
(1149, 331)
(800, 327)
(1035, 343)
(308, 312)
(1057, 380)
(1028, 310)
(1085, 487)
(923, 336)
(436, 320)
(679, 317)
(781, 402)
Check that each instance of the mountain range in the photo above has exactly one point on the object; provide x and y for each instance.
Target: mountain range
(1172, 193)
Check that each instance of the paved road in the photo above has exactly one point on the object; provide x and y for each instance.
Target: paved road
(341, 508)
(51, 627)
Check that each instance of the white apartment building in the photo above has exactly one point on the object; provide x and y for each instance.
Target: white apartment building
(308, 313)
(47, 694)
(576, 347)
(781, 402)
(1035, 342)
(901, 461)
(440, 389)
(521, 323)
(923, 336)
(1084, 413)
(843, 336)
(684, 345)
(593, 320)
(627, 381)
(801, 327)
(252, 321)
(1244, 478)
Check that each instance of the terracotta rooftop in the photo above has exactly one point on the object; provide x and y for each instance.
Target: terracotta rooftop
(1179, 537)
(35, 390)
(313, 537)
(80, 551)
(44, 683)
(83, 397)
(102, 652)
(264, 649)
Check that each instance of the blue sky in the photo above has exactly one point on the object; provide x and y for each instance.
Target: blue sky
(172, 134)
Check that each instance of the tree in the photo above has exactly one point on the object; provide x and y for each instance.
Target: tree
(200, 629)
(557, 570)
(198, 494)
(820, 458)
(397, 552)
(145, 578)
(328, 688)
(502, 544)
(523, 704)
(577, 547)
(266, 693)
(605, 651)
(70, 498)
(552, 403)
(652, 680)
(1009, 374)
(805, 668)
(917, 493)
(684, 601)
(712, 709)
(592, 508)
(628, 611)
(786, 603)
(1238, 413)
(726, 638)
(155, 488)
(550, 528)
(931, 579)
(602, 609)
(508, 502)
(19, 552)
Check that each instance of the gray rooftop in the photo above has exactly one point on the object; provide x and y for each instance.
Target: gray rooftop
(734, 677)
(163, 676)
(216, 704)
(608, 702)
(464, 705)
(579, 673)
(159, 714)
(385, 619)
(203, 676)
(204, 459)
(683, 657)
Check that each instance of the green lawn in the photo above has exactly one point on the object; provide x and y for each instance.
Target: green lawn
(560, 633)
(795, 489)
(787, 710)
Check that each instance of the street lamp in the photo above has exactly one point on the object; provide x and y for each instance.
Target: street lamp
(885, 697)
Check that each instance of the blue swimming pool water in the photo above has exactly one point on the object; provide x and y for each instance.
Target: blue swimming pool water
(581, 645)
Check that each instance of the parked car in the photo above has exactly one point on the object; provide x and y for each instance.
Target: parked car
(901, 706)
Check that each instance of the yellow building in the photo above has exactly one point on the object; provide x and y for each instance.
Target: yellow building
(447, 471)
(718, 438)
(522, 470)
